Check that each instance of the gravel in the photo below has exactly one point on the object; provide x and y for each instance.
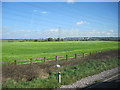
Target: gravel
(91, 79)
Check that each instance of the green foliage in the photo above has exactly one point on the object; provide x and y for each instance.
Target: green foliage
(50, 39)
(58, 39)
(35, 40)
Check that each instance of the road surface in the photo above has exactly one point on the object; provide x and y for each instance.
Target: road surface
(111, 82)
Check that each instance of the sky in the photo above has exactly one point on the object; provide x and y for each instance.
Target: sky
(34, 20)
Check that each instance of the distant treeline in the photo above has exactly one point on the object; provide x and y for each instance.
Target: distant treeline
(64, 39)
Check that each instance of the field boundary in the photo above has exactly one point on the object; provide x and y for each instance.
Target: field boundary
(47, 59)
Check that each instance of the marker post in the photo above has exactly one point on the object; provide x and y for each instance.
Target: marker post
(59, 77)
(59, 74)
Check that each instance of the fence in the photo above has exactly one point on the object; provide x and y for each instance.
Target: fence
(46, 59)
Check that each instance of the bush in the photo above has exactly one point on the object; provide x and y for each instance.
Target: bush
(50, 39)
(35, 40)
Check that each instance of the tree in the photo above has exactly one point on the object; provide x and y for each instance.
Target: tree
(58, 39)
(35, 40)
(50, 39)
(62, 39)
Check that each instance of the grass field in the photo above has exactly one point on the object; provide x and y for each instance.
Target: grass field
(26, 50)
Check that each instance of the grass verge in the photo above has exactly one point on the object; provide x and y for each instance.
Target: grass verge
(69, 74)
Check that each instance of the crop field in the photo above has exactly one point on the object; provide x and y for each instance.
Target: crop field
(26, 50)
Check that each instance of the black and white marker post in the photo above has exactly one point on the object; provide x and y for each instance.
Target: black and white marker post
(59, 74)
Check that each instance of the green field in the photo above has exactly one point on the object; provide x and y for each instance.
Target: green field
(26, 50)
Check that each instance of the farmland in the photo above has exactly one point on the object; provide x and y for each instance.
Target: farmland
(26, 50)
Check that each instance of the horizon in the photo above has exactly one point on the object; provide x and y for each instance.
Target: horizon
(74, 37)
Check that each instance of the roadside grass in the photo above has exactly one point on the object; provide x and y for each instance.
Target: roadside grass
(69, 74)
(25, 50)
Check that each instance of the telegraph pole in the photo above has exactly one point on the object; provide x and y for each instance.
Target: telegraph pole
(59, 32)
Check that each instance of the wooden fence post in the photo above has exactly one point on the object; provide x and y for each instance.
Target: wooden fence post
(31, 61)
(15, 62)
(56, 58)
(90, 53)
(45, 59)
(83, 55)
(75, 56)
(66, 57)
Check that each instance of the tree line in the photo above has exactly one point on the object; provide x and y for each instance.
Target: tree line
(61, 39)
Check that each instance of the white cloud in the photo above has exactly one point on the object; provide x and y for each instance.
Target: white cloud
(5, 28)
(102, 32)
(55, 33)
(53, 30)
(108, 33)
(111, 30)
(78, 33)
(98, 32)
(70, 1)
(44, 12)
(79, 23)
(82, 22)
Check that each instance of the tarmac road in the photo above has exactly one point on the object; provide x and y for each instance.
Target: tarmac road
(112, 82)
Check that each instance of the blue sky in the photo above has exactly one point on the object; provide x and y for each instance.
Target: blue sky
(25, 20)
